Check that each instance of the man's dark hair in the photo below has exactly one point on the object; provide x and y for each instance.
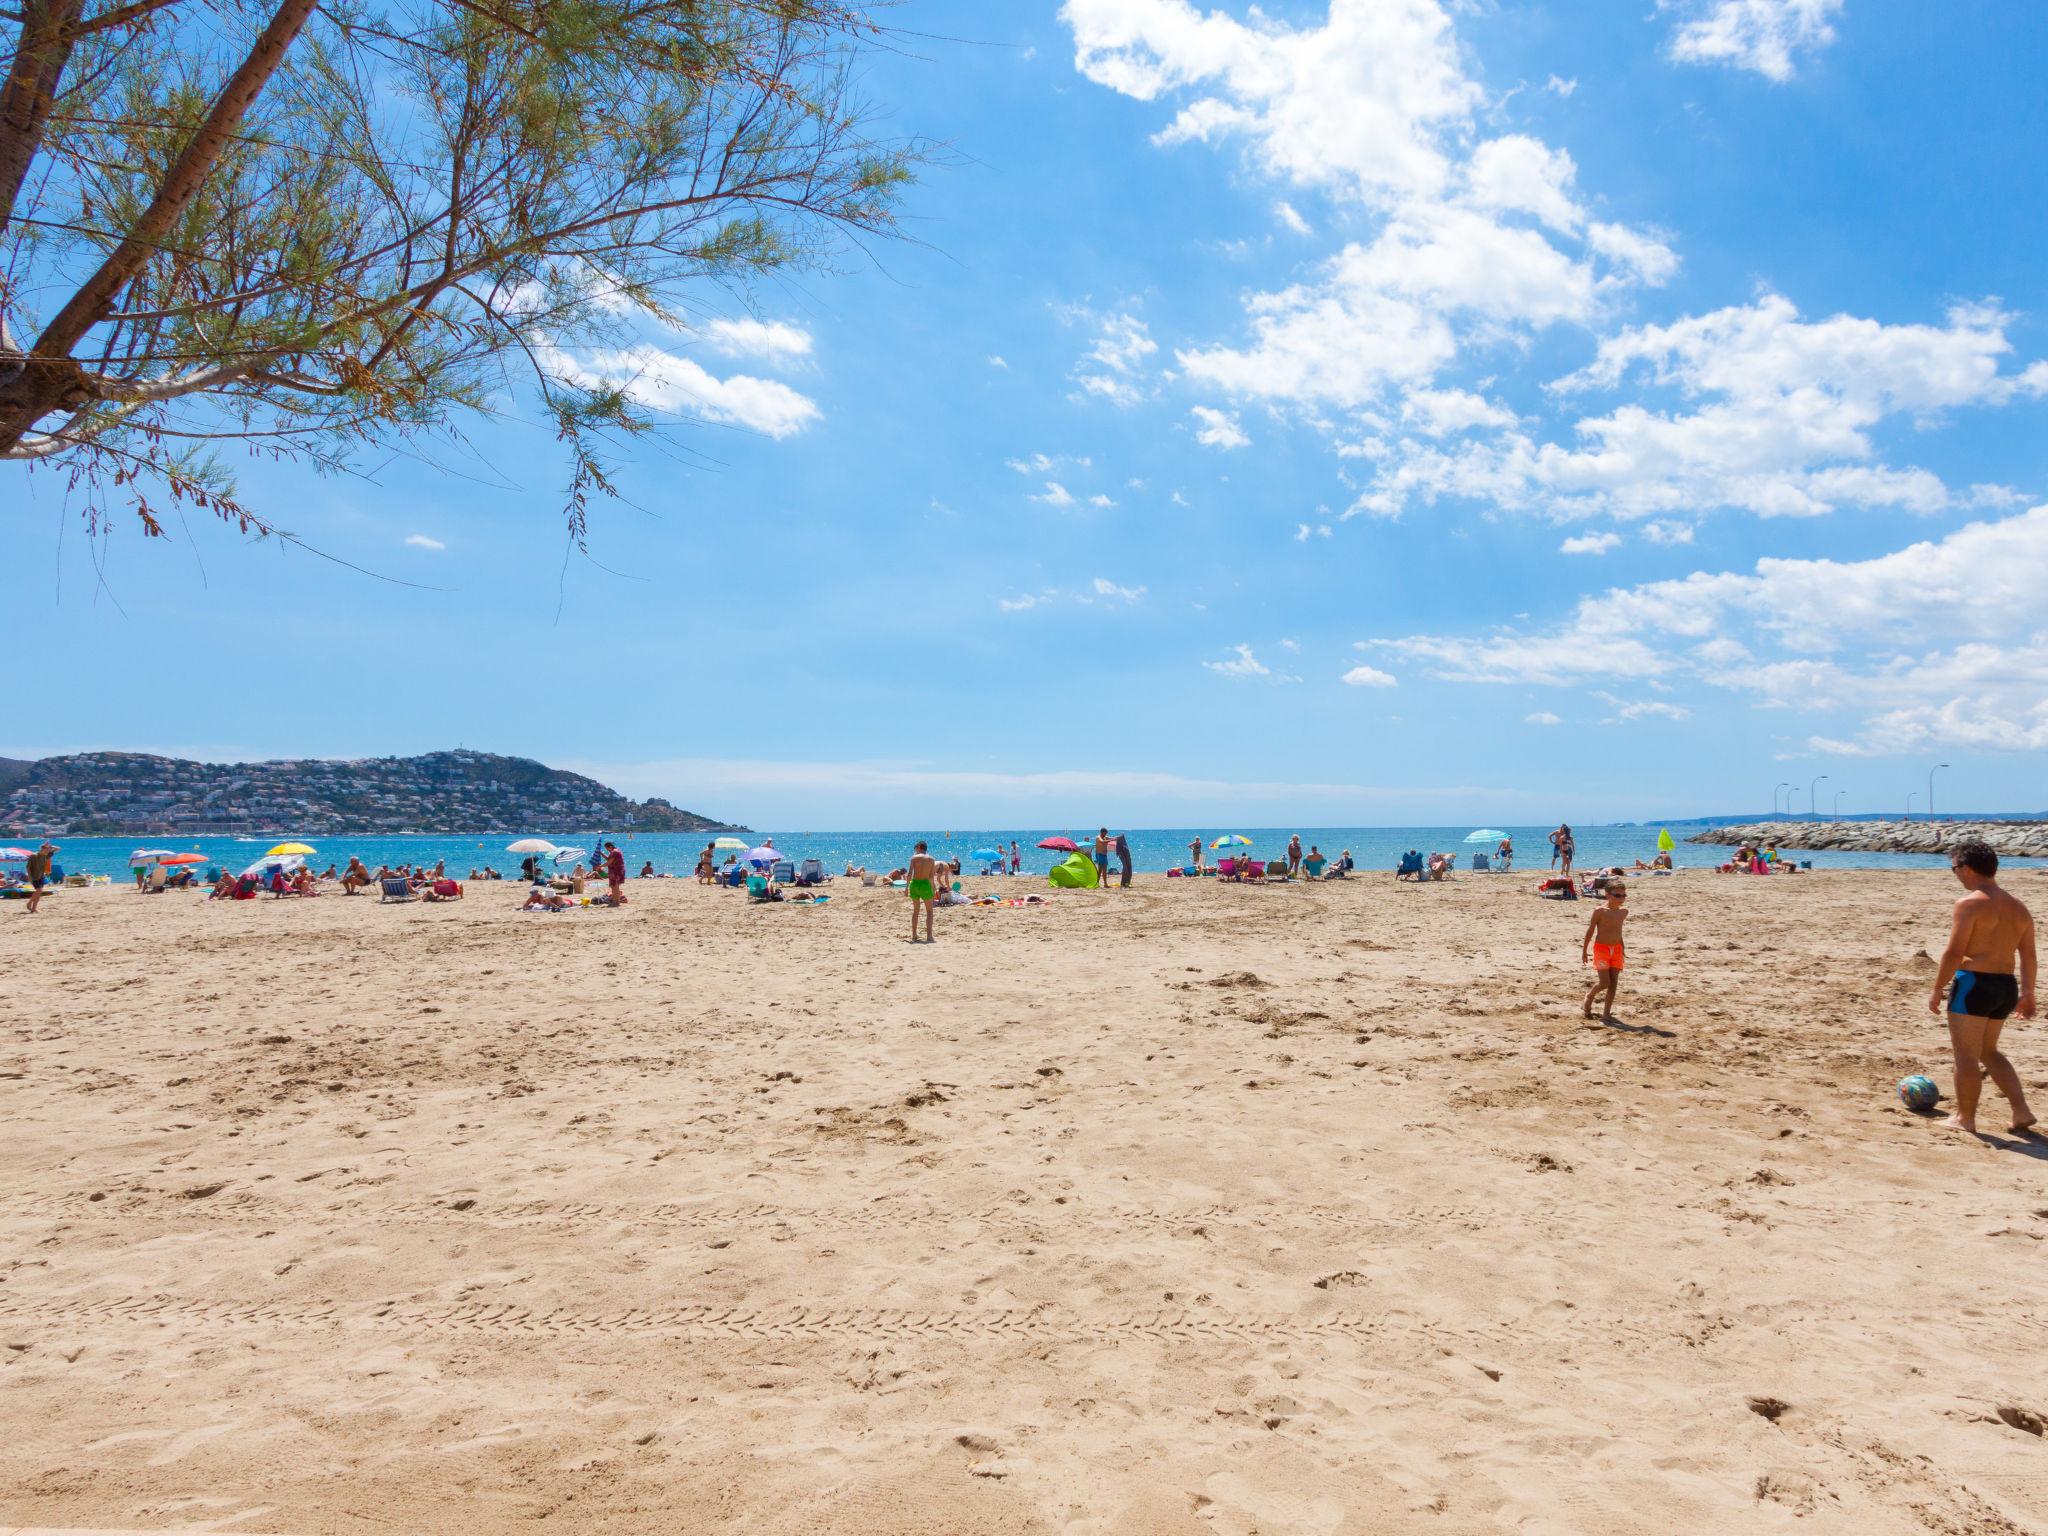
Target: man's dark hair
(1975, 855)
(920, 848)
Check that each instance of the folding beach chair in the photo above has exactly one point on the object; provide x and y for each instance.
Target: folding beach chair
(396, 889)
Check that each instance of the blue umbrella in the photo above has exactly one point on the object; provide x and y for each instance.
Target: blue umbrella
(987, 855)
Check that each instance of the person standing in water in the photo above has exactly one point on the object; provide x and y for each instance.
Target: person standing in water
(1195, 855)
(1987, 975)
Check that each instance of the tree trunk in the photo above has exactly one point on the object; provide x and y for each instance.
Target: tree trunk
(48, 378)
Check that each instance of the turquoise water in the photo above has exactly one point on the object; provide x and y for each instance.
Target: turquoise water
(1151, 850)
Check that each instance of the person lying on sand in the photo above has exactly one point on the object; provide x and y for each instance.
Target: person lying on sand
(1601, 947)
(1989, 930)
(541, 899)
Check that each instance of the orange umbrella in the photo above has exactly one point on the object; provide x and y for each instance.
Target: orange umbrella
(183, 858)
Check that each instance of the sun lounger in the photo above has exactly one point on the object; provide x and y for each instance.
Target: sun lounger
(812, 872)
(153, 885)
(1479, 861)
(396, 889)
(783, 873)
(1411, 867)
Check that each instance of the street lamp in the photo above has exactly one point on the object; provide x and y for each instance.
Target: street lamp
(1930, 788)
(1813, 805)
(1838, 803)
(1774, 798)
(1909, 805)
(1790, 791)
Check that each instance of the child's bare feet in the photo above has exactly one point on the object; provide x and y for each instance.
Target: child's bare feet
(2026, 1122)
(1958, 1123)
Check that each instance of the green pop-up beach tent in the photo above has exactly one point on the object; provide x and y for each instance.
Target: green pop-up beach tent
(1664, 840)
(1076, 874)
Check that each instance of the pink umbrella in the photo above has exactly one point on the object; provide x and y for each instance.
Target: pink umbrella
(1061, 844)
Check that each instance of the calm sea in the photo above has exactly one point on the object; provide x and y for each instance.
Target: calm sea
(1152, 850)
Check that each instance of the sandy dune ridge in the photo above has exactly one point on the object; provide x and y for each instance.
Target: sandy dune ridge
(1185, 1209)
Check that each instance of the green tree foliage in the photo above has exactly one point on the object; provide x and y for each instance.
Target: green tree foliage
(310, 225)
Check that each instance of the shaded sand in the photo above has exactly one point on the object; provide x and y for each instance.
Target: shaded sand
(1183, 1210)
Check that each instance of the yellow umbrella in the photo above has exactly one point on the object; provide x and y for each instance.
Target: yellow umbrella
(283, 850)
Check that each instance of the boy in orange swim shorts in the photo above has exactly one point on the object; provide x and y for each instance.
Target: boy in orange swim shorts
(1601, 948)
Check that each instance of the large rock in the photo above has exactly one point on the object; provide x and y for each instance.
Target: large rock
(2009, 838)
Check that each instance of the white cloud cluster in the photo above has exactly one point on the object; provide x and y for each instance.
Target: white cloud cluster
(1781, 418)
(1219, 429)
(1479, 240)
(1939, 643)
(1100, 592)
(1760, 35)
(1111, 367)
(666, 381)
(772, 339)
(1244, 665)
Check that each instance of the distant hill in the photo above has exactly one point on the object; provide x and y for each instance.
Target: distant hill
(136, 793)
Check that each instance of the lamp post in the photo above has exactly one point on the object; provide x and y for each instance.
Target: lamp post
(1790, 791)
(1930, 788)
(1774, 797)
(1813, 805)
(1838, 803)
(1909, 805)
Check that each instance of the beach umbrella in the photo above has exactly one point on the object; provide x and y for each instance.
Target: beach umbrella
(530, 845)
(568, 855)
(13, 855)
(729, 843)
(765, 855)
(303, 850)
(182, 858)
(1485, 835)
(267, 863)
(142, 857)
(1232, 840)
(986, 855)
(1061, 845)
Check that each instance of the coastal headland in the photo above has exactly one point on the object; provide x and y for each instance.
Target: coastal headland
(1187, 1210)
(2013, 839)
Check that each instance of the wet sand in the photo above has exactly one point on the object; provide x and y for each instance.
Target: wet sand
(1188, 1209)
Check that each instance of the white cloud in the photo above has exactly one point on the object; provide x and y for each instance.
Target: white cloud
(1667, 533)
(1369, 677)
(1782, 421)
(1560, 86)
(1180, 500)
(1243, 664)
(1303, 532)
(1022, 604)
(997, 360)
(1358, 103)
(665, 381)
(1055, 495)
(1292, 647)
(1641, 709)
(1760, 35)
(1102, 501)
(1122, 345)
(1590, 544)
(748, 337)
(1935, 645)
(1541, 717)
(1105, 588)
(1288, 215)
(421, 541)
(1219, 428)
(1445, 412)
(1374, 106)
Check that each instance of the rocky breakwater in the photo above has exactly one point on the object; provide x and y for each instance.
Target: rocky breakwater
(2011, 839)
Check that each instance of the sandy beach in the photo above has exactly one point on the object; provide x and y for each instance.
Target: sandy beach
(1182, 1210)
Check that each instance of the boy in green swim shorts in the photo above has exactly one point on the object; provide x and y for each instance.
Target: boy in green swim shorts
(924, 890)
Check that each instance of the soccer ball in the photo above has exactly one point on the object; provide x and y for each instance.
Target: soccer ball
(1918, 1093)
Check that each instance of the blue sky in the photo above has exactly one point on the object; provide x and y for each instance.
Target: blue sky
(1356, 411)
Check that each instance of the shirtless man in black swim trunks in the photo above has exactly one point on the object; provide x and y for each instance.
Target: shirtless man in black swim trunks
(1990, 930)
